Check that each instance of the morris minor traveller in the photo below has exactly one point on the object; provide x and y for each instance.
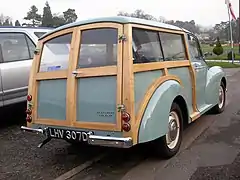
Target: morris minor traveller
(121, 81)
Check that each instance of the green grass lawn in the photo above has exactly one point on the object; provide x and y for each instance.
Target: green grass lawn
(223, 64)
(226, 49)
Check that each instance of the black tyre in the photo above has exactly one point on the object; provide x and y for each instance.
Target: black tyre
(168, 145)
(219, 108)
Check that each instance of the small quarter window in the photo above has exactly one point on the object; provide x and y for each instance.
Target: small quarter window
(173, 46)
(194, 48)
(31, 47)
(55, 53)
(39, 34)
(98, 48)
(146, 46)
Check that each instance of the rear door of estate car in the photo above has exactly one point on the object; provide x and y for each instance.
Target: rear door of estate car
(77, 82)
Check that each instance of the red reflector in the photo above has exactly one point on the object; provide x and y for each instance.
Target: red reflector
(29, 97)
(29, 111)
(125, 116)
(29, 119)
(126, 127)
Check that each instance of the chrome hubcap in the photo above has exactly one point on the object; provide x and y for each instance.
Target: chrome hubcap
(173, 130)
(221, 97)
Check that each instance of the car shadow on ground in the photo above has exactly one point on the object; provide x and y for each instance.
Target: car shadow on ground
(12, 115)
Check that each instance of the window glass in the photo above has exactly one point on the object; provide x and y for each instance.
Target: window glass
(31, 47)
(39, 34)
(173, 46)
(194, 47)
(14, 47)
(55, 53)
(146, 46)
(98, 48)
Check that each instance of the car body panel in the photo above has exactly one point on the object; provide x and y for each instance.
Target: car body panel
(1, 91)
(214, 77)
(15, 74)
(154, 122)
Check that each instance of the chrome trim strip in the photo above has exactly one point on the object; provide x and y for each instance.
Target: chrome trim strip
(110, 141)
(33, 130)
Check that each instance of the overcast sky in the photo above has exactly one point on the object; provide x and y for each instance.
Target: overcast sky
(204, 12)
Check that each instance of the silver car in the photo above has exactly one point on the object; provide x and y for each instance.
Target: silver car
(17, 45)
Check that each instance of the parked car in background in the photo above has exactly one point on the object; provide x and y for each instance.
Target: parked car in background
(17, 45)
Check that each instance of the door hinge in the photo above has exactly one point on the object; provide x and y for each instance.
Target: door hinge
(121, 107)
(122, 38)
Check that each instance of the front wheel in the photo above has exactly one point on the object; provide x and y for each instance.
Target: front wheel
(221, 100)
(168, 145)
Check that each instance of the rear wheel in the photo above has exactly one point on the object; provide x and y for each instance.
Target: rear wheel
(221, 100)
(168, 145)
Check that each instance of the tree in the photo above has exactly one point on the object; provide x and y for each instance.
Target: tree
(218, 49)
(58, 20)
(17, 23)
(47, 18)
(33, 16)
(70, 16)
(7, 23)
(138, 14)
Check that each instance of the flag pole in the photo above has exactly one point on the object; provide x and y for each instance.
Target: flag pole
(231, 35)
(238, 29)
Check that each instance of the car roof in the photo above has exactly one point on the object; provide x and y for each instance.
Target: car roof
(28, 30)
(116, 19)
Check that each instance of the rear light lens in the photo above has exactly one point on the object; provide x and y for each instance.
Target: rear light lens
(126, 127)
(29, 97)
(126, 117)
(29, 119)
(29, 111)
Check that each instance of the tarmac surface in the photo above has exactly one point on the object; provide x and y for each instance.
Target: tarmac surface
(210, 150)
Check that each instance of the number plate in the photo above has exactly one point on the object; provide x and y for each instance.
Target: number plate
(68, 134)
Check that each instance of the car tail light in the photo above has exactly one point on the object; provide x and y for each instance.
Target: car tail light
(29, 97)
(126, 117)
(29, 111)
(126, 127)
(29, 119)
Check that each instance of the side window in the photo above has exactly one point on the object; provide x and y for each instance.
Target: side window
(173, 46)
(98, 48)
(146, 46)
(31, 47)
(14, 47)
(194, 48)
(55, 53)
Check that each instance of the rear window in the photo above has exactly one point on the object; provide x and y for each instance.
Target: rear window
(98, 48)
(39, 34)
(55, 53)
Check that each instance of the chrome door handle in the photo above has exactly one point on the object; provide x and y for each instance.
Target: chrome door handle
(75, 73)
(199, 67)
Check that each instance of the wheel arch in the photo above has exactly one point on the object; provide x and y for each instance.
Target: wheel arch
(156, 111)
(224, 81)
(183, 106)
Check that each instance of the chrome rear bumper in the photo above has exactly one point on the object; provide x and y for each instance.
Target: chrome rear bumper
(33, 130)
(107, 141)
